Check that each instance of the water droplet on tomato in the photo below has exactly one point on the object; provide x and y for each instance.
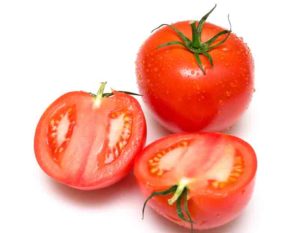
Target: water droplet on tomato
(225, 49)
(228, 93)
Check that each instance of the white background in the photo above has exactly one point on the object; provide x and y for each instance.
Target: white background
(48, 48)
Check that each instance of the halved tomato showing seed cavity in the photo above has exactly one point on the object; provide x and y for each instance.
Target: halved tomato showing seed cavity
(197, 180)
(89, 141)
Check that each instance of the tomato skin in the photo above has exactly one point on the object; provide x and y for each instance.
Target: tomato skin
(208, 209)
(180, 96)
(89, 136)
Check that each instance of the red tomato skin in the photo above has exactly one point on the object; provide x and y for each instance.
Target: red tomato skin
(209, 210)
(78, 182)
(180, 96)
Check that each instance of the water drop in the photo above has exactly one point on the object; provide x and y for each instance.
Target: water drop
(225, 49)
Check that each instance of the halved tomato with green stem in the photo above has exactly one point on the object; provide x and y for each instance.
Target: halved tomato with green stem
(89, 141)
(200, 180)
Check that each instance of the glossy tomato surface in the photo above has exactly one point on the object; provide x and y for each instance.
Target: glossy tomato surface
(217, 169)
(87, 145)
(180, 95)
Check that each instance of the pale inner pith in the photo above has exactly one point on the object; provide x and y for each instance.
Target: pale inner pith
(115, 130)
(219, 166)
(171, 158)
(118, 135)
(222, 168)
(62, 129)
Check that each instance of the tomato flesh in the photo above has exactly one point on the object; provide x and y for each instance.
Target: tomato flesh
(88, 146)
(218, 170)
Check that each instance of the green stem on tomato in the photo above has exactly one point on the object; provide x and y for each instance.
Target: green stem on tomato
(154, 194)
(180, 188)
(99, 95)
(180, 194)
(196, 43)
(196, 46)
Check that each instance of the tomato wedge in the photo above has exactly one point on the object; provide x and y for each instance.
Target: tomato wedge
(89, 141)
(210, 177)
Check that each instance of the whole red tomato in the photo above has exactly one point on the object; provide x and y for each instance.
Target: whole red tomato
(197, 180)
(195, 76)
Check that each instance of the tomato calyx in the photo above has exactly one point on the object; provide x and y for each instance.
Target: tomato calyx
(100, 94)
(196, 46)
(180, 197)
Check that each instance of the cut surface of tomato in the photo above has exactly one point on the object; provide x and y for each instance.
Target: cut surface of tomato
(89, 143)
(216, 170)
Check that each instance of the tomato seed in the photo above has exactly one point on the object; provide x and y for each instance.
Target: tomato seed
(154, 170)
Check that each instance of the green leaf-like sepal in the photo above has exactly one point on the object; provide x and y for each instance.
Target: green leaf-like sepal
(180, 197)
(160, 193)
(196, 46)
